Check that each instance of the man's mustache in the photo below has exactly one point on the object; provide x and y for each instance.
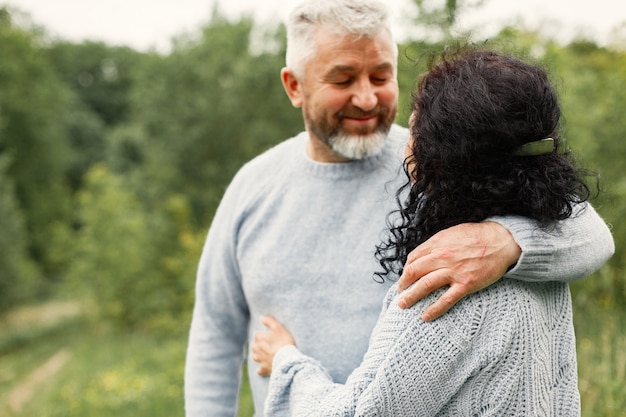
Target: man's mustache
(355, 113)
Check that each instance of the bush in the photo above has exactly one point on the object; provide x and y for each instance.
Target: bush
(16, 270)
(135, 264)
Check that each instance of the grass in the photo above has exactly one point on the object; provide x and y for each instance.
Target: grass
(136, 374)
(246, 405)
(117, 375)
(601, 352)
(105, 374)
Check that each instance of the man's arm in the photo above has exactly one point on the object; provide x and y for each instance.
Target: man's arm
(471, 256)
(219, 324)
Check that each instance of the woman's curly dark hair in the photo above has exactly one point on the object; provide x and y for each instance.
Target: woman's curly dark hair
(471, 112)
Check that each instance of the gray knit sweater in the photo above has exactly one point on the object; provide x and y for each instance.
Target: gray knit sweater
(295, 239)
(508, 350)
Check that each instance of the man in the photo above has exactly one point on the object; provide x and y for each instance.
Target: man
(295, 234)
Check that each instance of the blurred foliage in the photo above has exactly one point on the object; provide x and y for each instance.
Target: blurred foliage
(100, 80)
(16, 270)
(112, 162)
(202, 111)
(105, 374)
(33, 135)
(440, 18)
(592, 94)
(134, 264)
(101, 75)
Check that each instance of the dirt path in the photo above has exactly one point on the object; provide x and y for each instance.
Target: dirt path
(48, 314)
(42, 314)
(21, 394)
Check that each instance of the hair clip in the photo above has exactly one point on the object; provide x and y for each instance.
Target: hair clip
(538, 147)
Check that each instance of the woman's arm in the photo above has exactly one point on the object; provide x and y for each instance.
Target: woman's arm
(411, 368)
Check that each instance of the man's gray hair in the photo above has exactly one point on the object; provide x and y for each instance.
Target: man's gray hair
(356, 17)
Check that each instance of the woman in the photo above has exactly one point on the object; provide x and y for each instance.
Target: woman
(484, 142)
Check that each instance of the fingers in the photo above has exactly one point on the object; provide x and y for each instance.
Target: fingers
(443, 303)
(423, 287)
(270, 322)
(408, 277)
(279, 334)
(274, 325)
(431, 283)
(260, 354)
(259, 346)
(267, 343)
(263, 371)
(422, 250)
(414, 270)
(422, 261)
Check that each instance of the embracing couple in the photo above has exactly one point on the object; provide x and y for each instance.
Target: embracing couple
(465, 229)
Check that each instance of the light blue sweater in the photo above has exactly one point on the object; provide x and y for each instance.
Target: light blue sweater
(508, 350)
(295, 239)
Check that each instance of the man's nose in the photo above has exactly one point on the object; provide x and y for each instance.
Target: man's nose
(364, 96)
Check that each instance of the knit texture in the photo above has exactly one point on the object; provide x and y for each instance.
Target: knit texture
(295, 239)
(508, 350)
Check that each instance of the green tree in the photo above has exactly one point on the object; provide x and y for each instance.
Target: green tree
(204, 110)
(101, 75)
(32, 108)
(442, 19)
(134, 265)
(16, 270)
(592, 96)
(101, 78)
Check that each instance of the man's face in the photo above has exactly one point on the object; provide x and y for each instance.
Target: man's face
(349, 95)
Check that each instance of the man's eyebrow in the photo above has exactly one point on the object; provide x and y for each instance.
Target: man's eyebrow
(342, 69)
(384, 67)
(338, 70)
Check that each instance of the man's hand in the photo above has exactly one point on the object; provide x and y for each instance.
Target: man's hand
(266, 344)
(467, 257)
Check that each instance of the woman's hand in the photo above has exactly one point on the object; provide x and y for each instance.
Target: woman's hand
(266, 344)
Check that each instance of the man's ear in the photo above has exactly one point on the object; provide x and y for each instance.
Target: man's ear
(292, 86)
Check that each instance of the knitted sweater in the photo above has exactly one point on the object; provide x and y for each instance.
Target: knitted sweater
(295, 239)
(508, 350)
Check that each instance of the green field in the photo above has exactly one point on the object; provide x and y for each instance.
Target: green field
(54, 363)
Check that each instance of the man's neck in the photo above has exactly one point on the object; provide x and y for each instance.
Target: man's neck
(319, 151)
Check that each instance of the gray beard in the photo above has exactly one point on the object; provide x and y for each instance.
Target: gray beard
(358, 147)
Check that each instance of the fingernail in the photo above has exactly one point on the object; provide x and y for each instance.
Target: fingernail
(402, 303)
(426, 317)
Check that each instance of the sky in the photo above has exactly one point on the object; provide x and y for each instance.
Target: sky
(151, 24)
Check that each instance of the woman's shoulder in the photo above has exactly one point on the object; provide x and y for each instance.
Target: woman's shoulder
(459, 325)
(502, 308)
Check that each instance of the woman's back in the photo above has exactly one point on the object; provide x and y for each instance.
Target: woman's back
(506, 350)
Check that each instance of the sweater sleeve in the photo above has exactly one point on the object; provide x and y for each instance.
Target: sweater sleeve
(573, 249)
(219, 323)
(411, 368)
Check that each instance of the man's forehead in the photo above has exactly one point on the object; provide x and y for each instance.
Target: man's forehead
(330, 38)
(350, 51)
